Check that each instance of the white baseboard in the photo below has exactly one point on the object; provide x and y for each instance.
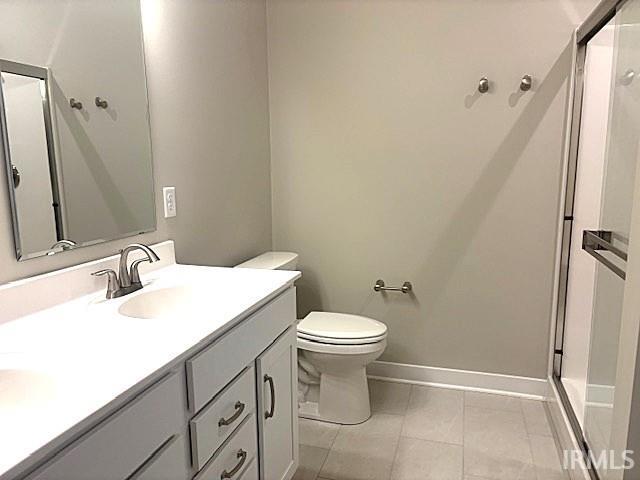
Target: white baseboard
(537, 388)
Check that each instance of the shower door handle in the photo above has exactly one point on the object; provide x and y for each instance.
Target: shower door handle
(15, 174)
(595, 240)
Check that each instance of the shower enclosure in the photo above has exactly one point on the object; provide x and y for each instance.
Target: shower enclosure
(594, 295)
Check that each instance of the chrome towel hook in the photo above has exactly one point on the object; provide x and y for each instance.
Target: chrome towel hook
(483, 85)
(380, 287)
(101, 103)
(525, 83)
(628, 77)
(73, 103)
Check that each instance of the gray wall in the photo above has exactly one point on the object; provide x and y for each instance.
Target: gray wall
(386, 163)
(206, 68)
(207, 74)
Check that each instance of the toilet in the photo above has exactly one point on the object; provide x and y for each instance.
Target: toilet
(334, 350)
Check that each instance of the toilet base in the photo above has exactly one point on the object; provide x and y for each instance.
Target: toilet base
(343, 399)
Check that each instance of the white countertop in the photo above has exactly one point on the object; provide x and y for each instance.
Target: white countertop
(62, 364)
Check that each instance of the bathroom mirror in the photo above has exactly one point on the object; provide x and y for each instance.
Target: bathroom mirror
(74, 123)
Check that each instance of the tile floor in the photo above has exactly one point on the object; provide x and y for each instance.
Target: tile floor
(429, 433)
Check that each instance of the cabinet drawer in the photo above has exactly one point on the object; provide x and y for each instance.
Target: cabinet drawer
(168, 463)
(211, 427)
(235, 456)
(210, 370)
(117, 447)
(251, 473)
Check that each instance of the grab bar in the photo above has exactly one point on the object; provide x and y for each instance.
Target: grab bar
(593, 240)
(380, 287)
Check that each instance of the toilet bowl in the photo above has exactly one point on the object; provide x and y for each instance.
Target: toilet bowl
(338, 347)
(334, 350)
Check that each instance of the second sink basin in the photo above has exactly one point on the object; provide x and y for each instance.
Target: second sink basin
(162, 303)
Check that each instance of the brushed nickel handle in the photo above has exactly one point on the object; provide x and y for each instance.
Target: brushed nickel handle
(112, 284)
(239, 406)
(272, 390)
(380, 287)
(242, 455)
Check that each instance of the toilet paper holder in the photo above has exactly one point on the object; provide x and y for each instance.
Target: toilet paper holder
(381, 287)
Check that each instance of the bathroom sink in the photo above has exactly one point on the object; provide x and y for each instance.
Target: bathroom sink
(24, 387)
(24, 380)
(163, 303)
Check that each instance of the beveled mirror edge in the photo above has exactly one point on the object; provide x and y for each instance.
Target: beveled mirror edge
(4, 137)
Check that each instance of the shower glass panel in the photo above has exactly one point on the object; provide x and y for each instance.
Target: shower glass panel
(587, 201)
(620, 161)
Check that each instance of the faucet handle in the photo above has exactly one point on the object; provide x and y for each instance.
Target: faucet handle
(112, 281)
(134, 274)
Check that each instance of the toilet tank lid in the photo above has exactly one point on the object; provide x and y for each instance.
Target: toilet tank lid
(271, 261)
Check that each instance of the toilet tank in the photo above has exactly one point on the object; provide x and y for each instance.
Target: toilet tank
(272, 261)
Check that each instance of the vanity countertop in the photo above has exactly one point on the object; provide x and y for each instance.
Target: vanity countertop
(61, 365)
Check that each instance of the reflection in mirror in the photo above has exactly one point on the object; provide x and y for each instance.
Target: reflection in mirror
(30, 155)
(75, 123)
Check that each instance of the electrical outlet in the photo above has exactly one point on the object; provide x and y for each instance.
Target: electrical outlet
(169, 195)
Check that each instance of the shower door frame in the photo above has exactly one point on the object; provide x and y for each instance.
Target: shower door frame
(602, 14)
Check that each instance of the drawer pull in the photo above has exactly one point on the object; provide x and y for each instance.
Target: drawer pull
(239, 406)
(272, 390)
(242, 455)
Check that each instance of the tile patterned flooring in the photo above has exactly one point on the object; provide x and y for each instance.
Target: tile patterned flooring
(428, 433)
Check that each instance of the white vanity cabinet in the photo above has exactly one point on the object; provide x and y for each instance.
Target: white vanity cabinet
(243, 391)
(226, 409)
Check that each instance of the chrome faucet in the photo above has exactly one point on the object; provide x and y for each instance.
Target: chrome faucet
(129, 279)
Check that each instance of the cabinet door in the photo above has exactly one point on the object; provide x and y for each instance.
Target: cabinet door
(277, 375)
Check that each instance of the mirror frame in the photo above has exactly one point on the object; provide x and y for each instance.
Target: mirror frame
(40, 73)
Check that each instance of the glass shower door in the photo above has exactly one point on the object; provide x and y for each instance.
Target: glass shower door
(621, 159)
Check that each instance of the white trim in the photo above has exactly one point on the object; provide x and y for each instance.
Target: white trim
(537, 388)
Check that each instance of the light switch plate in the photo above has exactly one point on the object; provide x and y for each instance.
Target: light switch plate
(170, 208)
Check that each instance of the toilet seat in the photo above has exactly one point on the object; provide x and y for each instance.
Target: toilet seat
(342, 341)
(341, 329)
(360, 349)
